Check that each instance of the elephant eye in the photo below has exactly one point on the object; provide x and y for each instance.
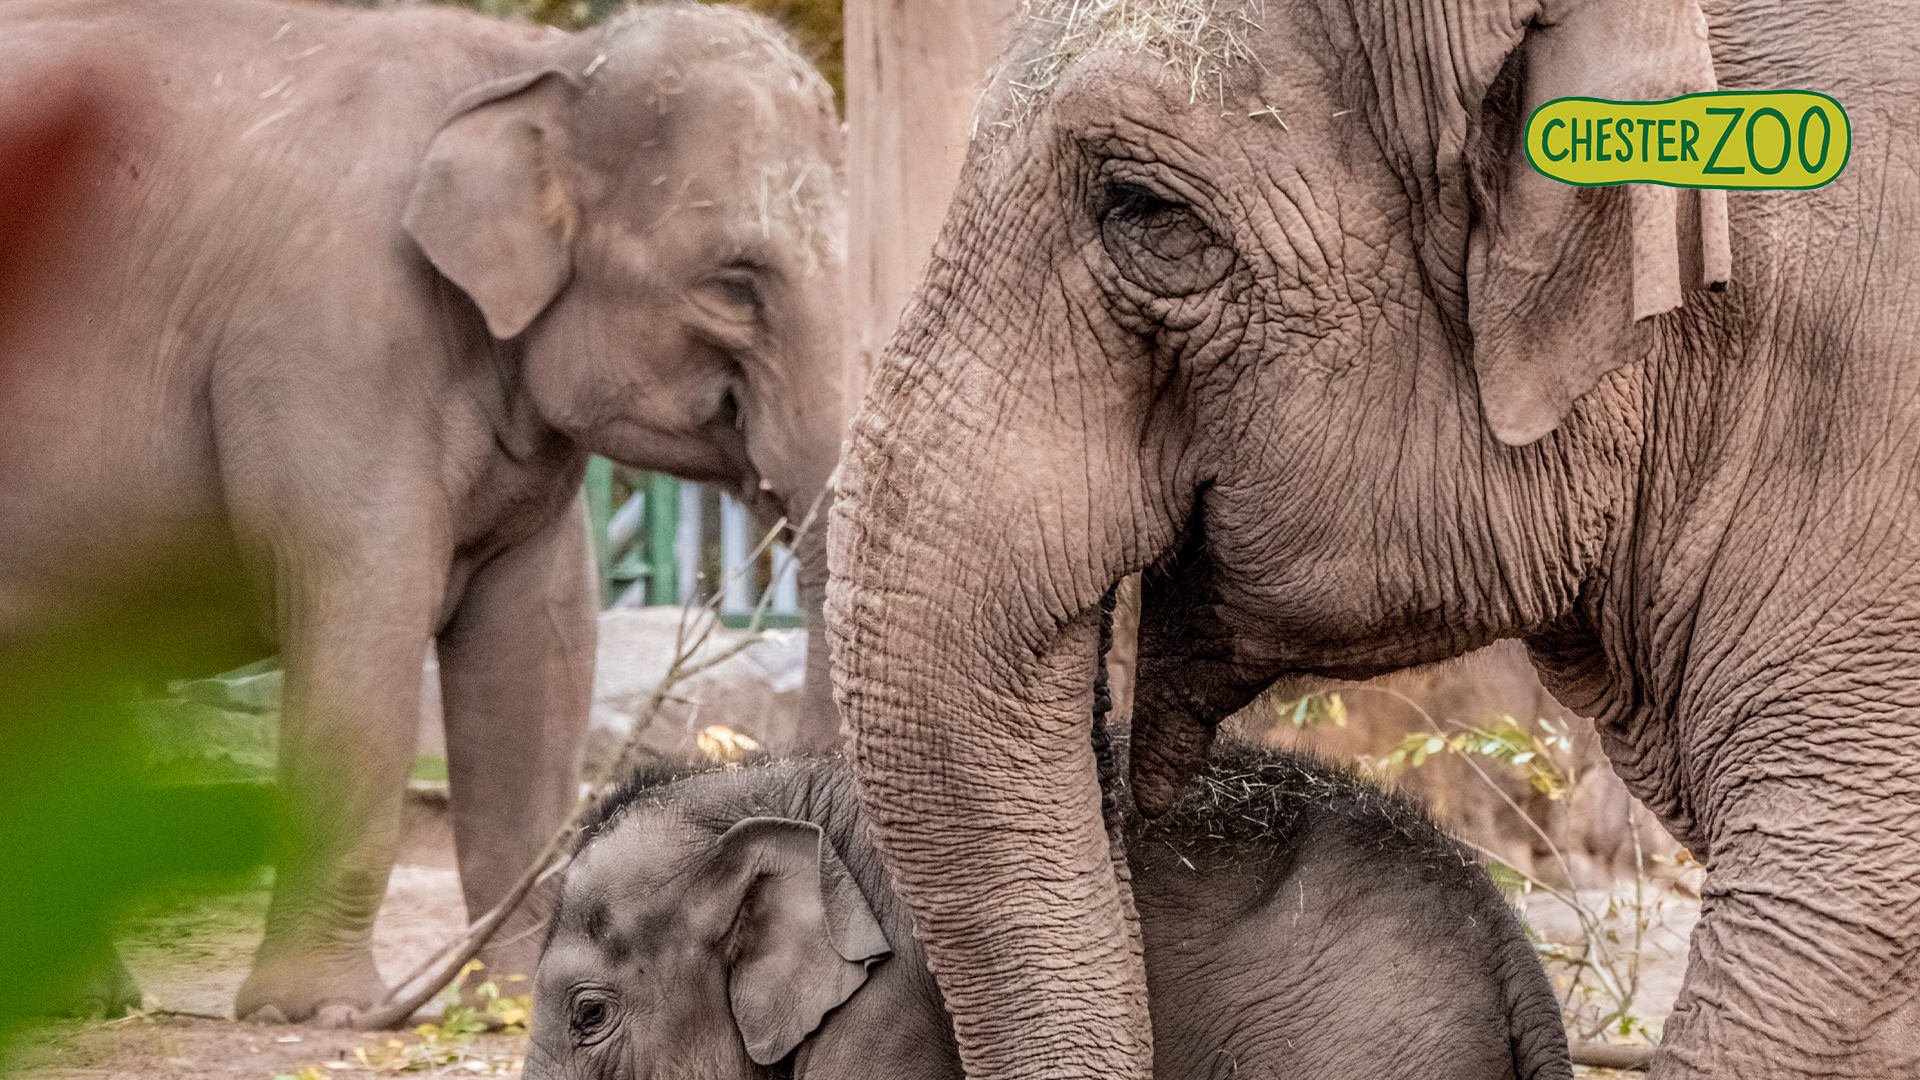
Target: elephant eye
(736, 292)
(739, 291)
(590, 1019)
(1159, 244)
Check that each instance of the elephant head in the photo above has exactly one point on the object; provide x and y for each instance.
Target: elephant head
(684, 950)
(653, 223)
(1270, 306)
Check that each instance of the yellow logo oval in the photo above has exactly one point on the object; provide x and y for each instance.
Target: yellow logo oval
(1720, 139)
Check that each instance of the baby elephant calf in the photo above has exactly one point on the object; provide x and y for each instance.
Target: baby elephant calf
(1298, 923)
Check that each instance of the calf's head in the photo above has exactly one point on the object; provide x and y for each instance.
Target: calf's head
(678, 950)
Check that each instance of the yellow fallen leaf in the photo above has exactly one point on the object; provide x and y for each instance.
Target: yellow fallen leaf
(725, 744)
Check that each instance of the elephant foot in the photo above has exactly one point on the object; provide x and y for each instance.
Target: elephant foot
(107, 991)
(339, 1017)
(293, 991)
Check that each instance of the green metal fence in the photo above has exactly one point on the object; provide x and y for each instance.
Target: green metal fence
(661, 541)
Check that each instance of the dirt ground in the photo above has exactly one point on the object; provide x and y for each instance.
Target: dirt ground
(191, 956)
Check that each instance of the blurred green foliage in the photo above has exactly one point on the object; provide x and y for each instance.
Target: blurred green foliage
(91, 825)
(814, 24)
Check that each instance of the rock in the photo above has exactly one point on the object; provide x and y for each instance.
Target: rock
(756, 693)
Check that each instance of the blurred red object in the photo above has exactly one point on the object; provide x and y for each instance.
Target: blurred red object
(52, 135)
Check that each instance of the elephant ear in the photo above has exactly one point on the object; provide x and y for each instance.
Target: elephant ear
(489, 206)
(804, 935)
(1560, 279)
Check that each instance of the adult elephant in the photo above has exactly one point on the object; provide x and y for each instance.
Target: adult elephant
(362, 292)
(1271, 305)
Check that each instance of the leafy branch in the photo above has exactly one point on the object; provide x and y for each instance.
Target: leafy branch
(1601, 972)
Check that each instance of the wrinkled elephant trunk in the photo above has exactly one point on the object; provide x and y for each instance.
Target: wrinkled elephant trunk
(1106, 746)
(965, 614)
(1181, 690)
(794, 440)
(819, 725)
(817, 728)
(962, 844)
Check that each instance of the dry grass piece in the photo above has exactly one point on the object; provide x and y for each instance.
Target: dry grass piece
(1200, 41)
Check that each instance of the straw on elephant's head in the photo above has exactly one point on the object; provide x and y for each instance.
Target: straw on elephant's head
(1200, 41)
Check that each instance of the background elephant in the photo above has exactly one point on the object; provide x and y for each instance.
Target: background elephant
(1270, 305)
(1299, 922)
(363, 292)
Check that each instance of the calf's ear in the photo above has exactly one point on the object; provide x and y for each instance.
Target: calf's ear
(489, 206)
(1561, 279)
(804, 935)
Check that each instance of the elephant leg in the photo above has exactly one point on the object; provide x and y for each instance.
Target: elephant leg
(107, 988)
(516, 677)
(354, 636)
(1806, 959)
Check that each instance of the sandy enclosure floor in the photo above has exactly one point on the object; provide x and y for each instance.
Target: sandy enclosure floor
(190, 958)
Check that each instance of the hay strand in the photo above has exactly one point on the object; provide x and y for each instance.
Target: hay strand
(1200, 41)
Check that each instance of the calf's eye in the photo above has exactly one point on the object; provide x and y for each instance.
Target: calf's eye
(592, 1016)
(1159, 244)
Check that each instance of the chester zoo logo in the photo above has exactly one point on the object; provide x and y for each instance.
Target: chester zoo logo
(1724, 139)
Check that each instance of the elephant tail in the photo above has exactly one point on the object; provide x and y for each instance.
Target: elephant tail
(1535, 1031)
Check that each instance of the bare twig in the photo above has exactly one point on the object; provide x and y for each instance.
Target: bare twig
(444, 966)
(1532, 825)
(177, 1014)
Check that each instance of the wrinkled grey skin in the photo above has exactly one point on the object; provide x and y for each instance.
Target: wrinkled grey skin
(1363, 391)
(1299, 924)
(367, 289)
